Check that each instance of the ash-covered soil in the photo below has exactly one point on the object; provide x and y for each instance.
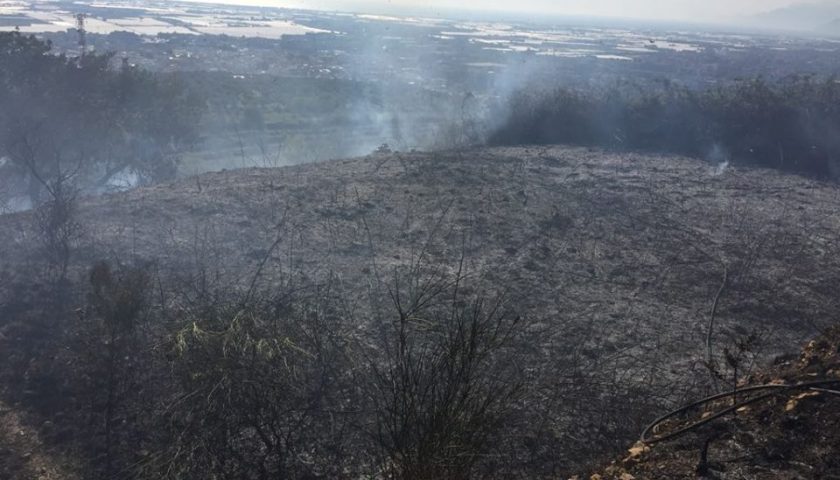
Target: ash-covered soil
(789, 434)
(23, 455)
(616, 260)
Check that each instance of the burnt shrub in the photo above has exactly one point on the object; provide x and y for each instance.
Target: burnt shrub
(261, 390)
(444, 382)
(791, 125)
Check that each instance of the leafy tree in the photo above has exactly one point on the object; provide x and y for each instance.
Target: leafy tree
(81, 119)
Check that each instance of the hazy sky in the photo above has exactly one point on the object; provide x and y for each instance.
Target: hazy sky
(698, 10)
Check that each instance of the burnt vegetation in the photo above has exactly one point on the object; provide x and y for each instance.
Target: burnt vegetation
(267, 384)
(411, 349)
(495, 313)
(789, 124)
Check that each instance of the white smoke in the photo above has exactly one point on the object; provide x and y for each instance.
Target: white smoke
(720, 157)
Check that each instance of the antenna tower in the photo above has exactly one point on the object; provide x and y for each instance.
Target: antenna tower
(80, 28)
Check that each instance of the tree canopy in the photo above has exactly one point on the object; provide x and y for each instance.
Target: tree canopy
(791, 125)
(88, 119)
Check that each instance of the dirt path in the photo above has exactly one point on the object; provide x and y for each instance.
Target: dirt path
(23, 455)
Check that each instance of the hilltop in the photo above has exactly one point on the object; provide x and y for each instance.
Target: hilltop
(618, 261)
(831, 28)
(806, 17)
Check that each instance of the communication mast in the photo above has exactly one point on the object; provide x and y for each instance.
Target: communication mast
(80, 28)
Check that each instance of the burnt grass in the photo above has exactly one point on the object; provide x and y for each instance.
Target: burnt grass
(787, 436)
(614, 259)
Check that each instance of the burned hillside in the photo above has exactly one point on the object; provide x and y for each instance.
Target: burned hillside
(631, 279)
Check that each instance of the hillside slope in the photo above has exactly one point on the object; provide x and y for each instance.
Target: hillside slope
(806, 16)
(790, 434)
(618, 261)
(23, 455)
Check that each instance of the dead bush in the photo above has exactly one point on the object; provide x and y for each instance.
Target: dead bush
(57, 227)
(443, 384)
(263, 392)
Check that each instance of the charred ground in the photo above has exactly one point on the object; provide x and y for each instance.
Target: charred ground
(619, 263)
(789, 434)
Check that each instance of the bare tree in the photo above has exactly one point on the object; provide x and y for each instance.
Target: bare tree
(112, 353)
(56, 220)
(443, 386)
